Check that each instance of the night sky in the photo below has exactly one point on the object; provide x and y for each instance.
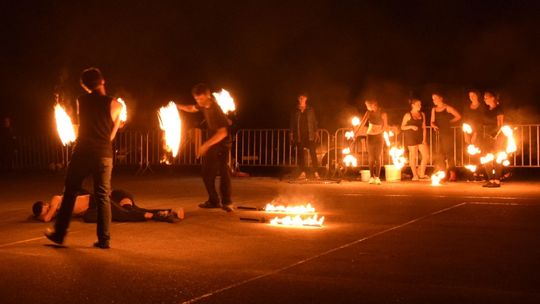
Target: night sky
(339, 51)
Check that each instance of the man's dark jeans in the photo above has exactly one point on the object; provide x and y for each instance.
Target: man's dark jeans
(216, 160)
(81, 166)
(312, 147)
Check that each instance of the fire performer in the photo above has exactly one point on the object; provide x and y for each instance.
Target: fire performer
(303, 134)
(378, 124)
(99, 120)
(443, 116)
(215, 151)
(494, 141)
(473, 115)
(413, 125)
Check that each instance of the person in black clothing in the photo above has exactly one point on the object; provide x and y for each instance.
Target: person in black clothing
(443, 116)
(494, 140)
(215, 151)
(123, 209)
(303, 133)
(473, 115)
(377, 120)
(413, 125)
(99, 120)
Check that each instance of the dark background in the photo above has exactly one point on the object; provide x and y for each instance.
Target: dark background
(339, 51)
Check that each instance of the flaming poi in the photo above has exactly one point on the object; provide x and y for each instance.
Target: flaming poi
(473, 150)
(225, 101)
(170, 123)
(467, 129)
(350, 161)
(471, 168)
(355, 121)
(349, 135)
(64, 126)
(437, 177)
(123, 113)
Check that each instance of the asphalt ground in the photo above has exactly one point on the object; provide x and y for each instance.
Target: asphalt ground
(404, 242)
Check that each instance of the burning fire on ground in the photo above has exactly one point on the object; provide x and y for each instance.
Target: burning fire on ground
(294, 216)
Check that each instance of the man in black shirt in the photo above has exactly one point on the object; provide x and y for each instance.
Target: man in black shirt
(215, 151)
(99, 120)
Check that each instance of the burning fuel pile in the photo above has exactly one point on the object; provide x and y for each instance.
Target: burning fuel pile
(285, 215)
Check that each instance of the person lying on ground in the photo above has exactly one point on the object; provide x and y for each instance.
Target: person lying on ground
(123, 209)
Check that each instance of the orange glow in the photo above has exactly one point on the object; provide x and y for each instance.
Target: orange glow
(471, 168)
(350, 161)
(473, 150)
(301, 209)
(349, 135)
(355, 121)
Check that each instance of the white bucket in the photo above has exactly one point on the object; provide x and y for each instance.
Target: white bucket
(393, 174)
(365, 175)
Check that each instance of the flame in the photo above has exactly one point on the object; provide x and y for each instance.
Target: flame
(486, 159)
(298, 221)
(349, 135)
(511, 143)
(170, 123)
(467, 128)
(437, 177)
(397, 157)
(501, 156)
(350, 161)
(506, 163)
(471, 168)
(346, 150)
(302, 209)
(355, 121)
(123, 113)
(473, 150)
(64, 126)
(225, 101)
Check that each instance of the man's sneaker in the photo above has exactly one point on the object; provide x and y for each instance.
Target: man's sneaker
(377, 181)
(102, 244)
(302, 175)
(415, 178)
(169, 217)
(209, 205)
(317, 176)
(53, 236)
(371, 180)
(228, 207)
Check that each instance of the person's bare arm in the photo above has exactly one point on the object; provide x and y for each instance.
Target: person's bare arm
(53, 208)
(187, 108)
(404, 121)
(454, 112)
(384, 117)
(432, 122)
(424, 129)
(116, 109)
(220, 134)
(500, 120)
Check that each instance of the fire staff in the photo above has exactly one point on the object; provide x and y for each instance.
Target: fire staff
(99, 120)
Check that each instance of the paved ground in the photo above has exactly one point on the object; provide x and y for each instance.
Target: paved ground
(396, 243)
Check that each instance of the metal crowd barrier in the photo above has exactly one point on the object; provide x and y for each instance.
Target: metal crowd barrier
(272, 147)
(253, 147)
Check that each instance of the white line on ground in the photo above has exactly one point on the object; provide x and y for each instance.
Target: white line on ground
(496, 204)
(204, 296)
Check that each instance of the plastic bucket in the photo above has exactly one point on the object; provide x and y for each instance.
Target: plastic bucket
(393, 174)
(365, 175)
